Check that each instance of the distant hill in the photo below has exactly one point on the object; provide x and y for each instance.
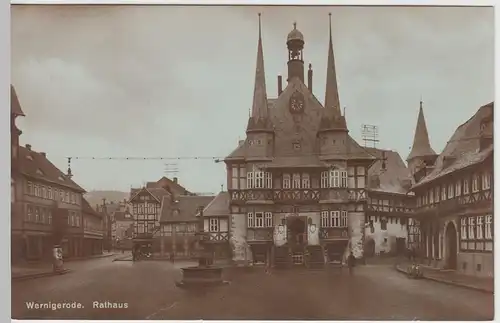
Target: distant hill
(95, 197)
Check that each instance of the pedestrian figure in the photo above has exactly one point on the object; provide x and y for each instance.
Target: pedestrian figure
(351, 262)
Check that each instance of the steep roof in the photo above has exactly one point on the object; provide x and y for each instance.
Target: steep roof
(157, 193)
(186, 205)
(421, 144)
(163, 182)
(395, 177)
(87, 209)
(463, 148)
(36, 165)
(219, 206)
(15, 106)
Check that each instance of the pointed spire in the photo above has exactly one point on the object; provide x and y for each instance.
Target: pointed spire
(421, 145)
(259, 106)
(332, 102)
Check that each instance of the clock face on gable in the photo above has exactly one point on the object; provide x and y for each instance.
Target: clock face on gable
(297, 103)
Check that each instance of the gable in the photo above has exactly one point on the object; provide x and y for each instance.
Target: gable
(295, 133)
(142, 196)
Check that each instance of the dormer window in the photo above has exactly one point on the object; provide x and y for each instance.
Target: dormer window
(39, 172)
(61, 178)
(28, 157)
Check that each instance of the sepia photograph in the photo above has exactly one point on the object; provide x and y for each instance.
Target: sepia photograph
(251, 162)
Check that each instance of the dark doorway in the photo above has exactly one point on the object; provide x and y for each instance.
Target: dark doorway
(369, 248)
(297, 233)
(451, 246)
(400, 246)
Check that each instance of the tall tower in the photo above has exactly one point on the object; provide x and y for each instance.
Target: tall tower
(15, 132)
(260, 132)
(295, 44)
(333, 132)
(421, 154)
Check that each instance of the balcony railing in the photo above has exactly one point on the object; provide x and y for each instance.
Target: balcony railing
(333, 233)
(457, 203)
(217, 236)
(297, 195)
(389, 209)
(260, 234)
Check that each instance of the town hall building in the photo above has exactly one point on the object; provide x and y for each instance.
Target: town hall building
(297, 183)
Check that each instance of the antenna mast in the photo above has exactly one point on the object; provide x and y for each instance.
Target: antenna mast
(369, 134)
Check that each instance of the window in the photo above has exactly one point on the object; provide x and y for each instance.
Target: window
(29, 214)
(243, 176)
(324, 179)
(49, 216)
(383, 224)
(37, 214)
(67, 197)
(472, 221)
(450, 191)
(296, 181)
(463, 228)
(436, 194)
(431, 197)
(30, 188)
(49, 193)
(488, 228)
(269, 179)
(286, 181)
(269, 219)
(259, 179)
(466, 187)
(458, 188)
(36, 189)
(259, 219)
(44, 192)
(343, 179)
(475, 183)
(335, 219)
(343, 219)
(324, 219)
(42, 215)
(306, 183)
(250, 220)
(250, 180)
(443, 193)
(334, 178)
(234, 177)
(479, 227)
(61, 196)
(486, 181)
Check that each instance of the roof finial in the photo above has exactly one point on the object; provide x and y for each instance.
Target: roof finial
(259, 27)
(330, 19)
(421, 102)
(294, 25)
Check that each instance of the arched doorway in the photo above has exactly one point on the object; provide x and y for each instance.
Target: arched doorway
(369, 248)
(297, 233)
(451, 246)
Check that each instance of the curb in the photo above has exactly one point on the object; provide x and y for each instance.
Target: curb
(89, 258)
(40, 275)
(447, 282)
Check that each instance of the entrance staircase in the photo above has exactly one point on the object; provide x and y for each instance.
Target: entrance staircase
(282, 257)
(315, 257)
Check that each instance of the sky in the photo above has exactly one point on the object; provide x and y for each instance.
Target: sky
(173, 81)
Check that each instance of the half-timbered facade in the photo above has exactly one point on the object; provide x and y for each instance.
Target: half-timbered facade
(297, 182)
(216, 225)
(389, 206)
(146, 205)
(454, 202)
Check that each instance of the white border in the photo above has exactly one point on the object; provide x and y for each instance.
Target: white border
(5, 95)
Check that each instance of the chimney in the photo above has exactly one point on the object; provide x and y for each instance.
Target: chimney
(28, 147)
(43, 154)
(280, 84)
(175, 180)
(310, 78)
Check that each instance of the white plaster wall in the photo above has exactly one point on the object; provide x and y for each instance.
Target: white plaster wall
(356, 222)
(238, 242)
(223, 225)
(385, 240)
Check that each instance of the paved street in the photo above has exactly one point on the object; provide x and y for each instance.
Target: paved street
(375, 292)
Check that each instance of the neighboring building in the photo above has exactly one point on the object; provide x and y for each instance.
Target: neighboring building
(216, 217)
(170, 185)
(93, 230)
(454, 204)
(38, 186)
(389, 205)
(179, 223)
(297, 183)
(122, 221)
(146, 206)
